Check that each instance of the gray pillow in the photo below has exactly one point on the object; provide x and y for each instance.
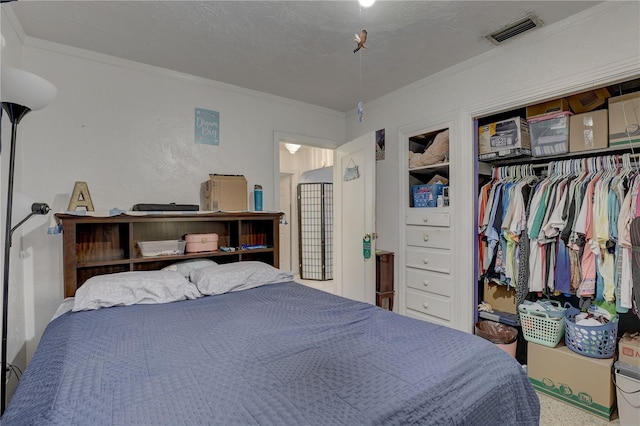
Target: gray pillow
(237, 276)
(185, 268)
(129, 288)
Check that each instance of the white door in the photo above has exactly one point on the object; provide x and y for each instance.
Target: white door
(285, 227)
(354, 210)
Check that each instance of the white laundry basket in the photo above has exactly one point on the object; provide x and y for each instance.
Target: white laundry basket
(628, 393)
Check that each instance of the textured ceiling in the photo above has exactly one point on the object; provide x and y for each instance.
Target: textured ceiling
(301, 50)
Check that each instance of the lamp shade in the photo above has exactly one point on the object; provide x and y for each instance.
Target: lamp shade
(23, 88)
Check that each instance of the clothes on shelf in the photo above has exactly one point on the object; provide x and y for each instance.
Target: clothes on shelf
(566, 232)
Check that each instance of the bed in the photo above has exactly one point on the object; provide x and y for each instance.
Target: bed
(273, 352)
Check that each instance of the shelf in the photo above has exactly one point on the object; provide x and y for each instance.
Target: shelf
(430, 169)
(611, 150)
(105, 245)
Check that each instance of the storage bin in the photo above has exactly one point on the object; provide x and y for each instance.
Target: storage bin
(627, 380)
(426, 195)
(595, 341)
(538, 327)
(161, 248)
(201, 242)
(550, 134)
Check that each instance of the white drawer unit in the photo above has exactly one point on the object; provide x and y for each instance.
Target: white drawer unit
(432, 282)
(429, 304)
(429, 259)
(428, 236)
(428, 216)
(426, 286)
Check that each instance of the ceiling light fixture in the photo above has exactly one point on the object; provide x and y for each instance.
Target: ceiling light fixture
(367, 3)
(292, 147)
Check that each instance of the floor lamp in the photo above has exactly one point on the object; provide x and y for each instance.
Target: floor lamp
(20, 92)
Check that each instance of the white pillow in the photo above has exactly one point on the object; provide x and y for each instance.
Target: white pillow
(129, 288)
(185, 268)
(236, 276)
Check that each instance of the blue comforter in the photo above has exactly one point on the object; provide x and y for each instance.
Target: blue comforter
(280, 354)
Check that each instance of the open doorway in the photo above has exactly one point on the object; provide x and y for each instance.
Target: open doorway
(306, 244)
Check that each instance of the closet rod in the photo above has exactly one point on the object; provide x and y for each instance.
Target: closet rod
(545, 165)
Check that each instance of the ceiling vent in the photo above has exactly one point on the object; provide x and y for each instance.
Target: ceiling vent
(515, 29)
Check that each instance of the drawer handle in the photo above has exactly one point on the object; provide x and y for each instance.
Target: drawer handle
(425, 260)
(425, 219)
(426, 236)
(426, 283)
(425, 305)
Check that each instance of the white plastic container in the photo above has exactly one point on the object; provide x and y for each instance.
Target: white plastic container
(161, 248)
(628, 393)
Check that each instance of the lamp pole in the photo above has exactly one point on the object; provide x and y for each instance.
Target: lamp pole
(15, 113)
(21, 92)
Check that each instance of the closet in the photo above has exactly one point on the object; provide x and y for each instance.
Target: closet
(558, 226)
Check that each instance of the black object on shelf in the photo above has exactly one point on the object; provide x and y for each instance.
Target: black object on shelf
(173, 207)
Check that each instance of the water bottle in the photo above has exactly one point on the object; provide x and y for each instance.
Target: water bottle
(257, 197)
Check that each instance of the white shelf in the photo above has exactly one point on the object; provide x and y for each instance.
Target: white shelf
(429, 168)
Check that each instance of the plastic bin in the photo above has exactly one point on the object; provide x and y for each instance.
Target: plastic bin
(627, 380)
(161, 248)
(201, 242)
(550, 134)
(596, 341)
(538, 327)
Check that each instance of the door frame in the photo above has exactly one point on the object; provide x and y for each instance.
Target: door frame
(289, 175)
(278, 137)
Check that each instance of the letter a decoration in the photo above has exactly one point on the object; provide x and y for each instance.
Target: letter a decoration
(80, 198)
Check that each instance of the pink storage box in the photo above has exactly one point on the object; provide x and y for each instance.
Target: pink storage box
(201, 242)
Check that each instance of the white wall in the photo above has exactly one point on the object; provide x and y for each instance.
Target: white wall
(128, 131)
(598, 46)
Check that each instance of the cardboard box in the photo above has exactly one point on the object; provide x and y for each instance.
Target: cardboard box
(588, 101)
(550, 134)
(624, 119)
(500, 298)
(629, 349)
(572, 378)
(224, 192)
(545, 108)
(503, 139)
(589, 131)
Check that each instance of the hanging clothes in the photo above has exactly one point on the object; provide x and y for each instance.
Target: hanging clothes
(568, 232)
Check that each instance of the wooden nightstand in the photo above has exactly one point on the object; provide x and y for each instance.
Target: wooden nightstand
(384, 278)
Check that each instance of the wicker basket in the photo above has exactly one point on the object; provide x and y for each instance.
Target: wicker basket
(538, 327)
(595, 341)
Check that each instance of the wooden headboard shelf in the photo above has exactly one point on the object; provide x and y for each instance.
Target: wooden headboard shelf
(103, 245)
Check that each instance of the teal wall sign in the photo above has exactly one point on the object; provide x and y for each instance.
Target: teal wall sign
(207, 127)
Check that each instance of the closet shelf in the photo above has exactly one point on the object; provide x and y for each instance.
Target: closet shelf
(430, 169)
(612, 150)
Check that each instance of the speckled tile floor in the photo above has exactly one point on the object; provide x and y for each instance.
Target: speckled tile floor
(556, 413)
